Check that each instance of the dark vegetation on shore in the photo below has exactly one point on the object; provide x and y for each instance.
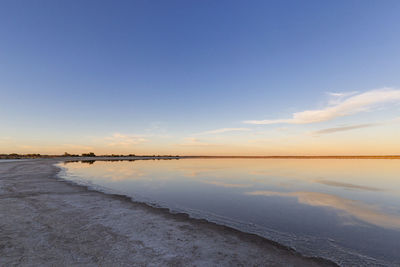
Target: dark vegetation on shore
(22, 156)
(83, 155)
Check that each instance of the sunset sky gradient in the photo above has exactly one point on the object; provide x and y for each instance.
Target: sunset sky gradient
(200, 77)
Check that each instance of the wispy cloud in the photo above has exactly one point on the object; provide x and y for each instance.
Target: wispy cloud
(337, 97)
(345, 128)
(341, 94)
(343, 107)
(118, 139)
(224, 130)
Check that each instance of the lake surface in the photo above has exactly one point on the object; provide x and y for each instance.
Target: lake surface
(10, 160)
(346, 210)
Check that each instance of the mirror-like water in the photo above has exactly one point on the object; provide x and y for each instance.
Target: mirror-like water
(347, 210)
(10, 160)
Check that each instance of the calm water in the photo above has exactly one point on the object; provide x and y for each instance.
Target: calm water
(345, 210)
(10, 160)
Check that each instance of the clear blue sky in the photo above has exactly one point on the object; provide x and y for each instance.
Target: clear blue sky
(209, 77)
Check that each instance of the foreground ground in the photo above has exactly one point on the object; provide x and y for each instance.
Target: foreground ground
(45, 221)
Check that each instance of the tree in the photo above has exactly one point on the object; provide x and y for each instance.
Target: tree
(90, 154)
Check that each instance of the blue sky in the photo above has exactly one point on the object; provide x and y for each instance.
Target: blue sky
(188, 76)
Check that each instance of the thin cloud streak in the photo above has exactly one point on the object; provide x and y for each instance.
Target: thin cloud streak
(345, 128)
(341, 94)
(350, 105)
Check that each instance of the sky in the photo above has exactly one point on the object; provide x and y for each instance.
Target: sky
(210, 77)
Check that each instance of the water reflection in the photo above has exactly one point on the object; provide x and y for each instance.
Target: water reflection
(368, 213)
(217, 183)
(302, 203)
(88, 161)
(348, 186)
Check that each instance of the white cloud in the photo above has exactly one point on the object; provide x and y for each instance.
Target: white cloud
(336, 94)
(337, 97)
(118, 139)
(341, 94)
(224, 130)
(343, 107)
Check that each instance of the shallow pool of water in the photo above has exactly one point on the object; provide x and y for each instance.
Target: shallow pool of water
(346, 210)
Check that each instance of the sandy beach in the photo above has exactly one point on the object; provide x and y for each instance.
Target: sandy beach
(46, 221)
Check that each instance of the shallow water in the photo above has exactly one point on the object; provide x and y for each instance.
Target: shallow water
(346, 210)
(10, 160)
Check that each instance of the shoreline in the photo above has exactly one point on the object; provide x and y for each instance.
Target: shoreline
(77, 158)
(181, 240)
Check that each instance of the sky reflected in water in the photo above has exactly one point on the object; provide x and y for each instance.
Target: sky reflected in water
(345, 210)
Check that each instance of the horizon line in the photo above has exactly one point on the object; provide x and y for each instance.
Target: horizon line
(37, 155)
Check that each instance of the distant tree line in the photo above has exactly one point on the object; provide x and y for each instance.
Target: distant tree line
(89, 154)
(20, 156)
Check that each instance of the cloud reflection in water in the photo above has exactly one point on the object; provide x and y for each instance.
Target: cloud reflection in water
(368, 213)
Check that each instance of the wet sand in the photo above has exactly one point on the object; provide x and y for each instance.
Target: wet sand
(46, 221)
